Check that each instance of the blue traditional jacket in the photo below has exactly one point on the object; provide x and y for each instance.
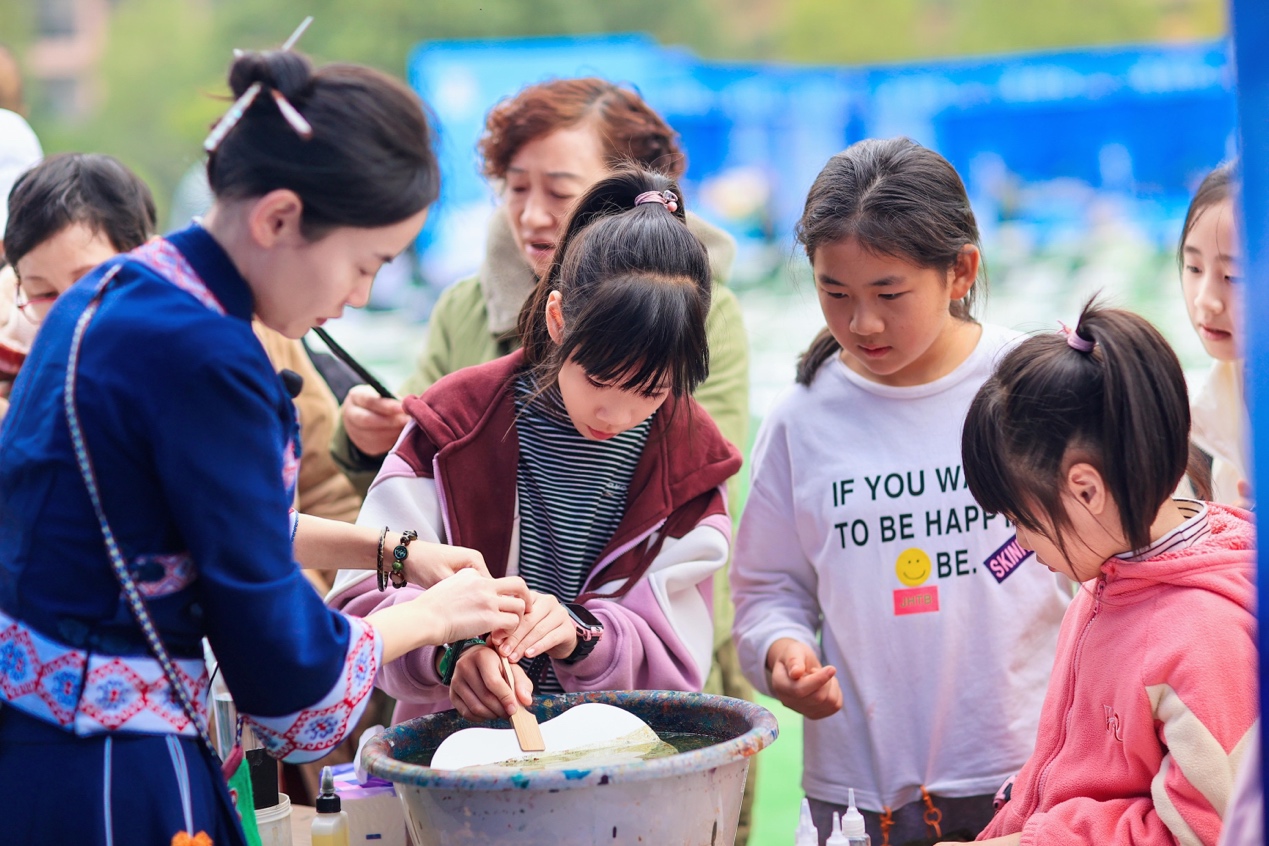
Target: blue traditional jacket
(194, 441)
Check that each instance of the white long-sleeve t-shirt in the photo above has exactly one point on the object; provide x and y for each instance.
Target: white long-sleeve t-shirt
(860, 537)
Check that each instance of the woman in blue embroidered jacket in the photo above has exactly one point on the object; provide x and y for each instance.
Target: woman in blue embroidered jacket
(322, 177)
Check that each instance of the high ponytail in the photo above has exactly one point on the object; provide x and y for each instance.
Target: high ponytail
(635, 291)
(1114, 394)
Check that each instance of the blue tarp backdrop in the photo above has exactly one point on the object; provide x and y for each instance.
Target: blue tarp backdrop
(1048, 141)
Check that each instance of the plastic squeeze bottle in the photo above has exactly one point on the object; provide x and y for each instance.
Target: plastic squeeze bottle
(836, 838)
(806, 834)
(330, 826)
(853, 831)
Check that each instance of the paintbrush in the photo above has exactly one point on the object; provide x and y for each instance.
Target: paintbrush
(528, 734)
(346, 357)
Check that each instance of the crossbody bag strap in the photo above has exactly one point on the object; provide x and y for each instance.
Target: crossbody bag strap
(136, 604)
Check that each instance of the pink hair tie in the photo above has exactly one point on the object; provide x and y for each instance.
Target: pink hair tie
(1076, 341)
(666, 198)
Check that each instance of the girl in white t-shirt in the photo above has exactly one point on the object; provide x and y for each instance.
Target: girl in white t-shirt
(873, 595)
(1210, 258)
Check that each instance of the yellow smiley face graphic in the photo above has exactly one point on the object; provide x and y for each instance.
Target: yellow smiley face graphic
(913, 566)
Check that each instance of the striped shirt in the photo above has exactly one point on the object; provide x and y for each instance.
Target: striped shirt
(572, 493)
(1195, 528)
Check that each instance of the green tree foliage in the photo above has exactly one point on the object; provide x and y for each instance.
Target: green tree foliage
(865, 31)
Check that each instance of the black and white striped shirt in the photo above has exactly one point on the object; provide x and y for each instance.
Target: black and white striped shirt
(572, 493)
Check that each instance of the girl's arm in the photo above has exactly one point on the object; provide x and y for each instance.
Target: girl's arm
(322, 544)
(660, 635)
(772, 583)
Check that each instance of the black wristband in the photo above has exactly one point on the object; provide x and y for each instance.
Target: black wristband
(454, 651)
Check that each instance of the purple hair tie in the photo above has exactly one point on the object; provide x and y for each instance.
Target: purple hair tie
(666, 198)
(1076, 341)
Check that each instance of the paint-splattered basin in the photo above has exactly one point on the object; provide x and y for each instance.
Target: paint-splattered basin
(687, 798)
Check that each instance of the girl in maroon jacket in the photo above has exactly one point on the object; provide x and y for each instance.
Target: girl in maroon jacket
(579, 463)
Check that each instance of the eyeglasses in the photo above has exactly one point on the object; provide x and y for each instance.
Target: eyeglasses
(33, 308)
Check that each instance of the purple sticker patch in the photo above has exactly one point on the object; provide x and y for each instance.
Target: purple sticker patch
(1005, 560)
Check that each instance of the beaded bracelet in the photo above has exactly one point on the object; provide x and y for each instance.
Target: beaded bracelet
(399, 554)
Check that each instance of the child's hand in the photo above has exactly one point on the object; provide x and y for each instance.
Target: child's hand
(546, 627)
(799, 680)
(479, 690)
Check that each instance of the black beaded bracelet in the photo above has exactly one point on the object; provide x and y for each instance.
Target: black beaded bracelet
(399, 554)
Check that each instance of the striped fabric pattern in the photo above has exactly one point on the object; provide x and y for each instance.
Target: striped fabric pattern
(1194, 529)
(572, 493)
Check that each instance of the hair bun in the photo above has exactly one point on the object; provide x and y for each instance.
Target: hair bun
(284, 70)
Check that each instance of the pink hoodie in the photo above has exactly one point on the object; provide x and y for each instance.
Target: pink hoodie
(1152, 701)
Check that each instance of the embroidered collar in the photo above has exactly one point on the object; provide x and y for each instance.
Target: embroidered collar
(210, 261)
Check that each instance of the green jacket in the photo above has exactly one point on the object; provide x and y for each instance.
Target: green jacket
(460, 335)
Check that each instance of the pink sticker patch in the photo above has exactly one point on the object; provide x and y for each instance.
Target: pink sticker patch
(917, 600)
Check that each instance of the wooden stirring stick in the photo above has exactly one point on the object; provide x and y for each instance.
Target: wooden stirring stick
(528, 734)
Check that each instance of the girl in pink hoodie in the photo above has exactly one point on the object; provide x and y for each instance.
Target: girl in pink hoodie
(1080, 438)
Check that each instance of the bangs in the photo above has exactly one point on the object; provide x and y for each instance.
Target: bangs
(993, 480)
(642, 335)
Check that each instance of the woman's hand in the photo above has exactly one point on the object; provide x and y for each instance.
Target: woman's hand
(800, 682)
(479, 690)
(462, 606)
(373, 423)
(430, 563)
(469, 605)
(546, 628)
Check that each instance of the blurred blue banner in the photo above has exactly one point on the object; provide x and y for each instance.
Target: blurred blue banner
(1053, 144)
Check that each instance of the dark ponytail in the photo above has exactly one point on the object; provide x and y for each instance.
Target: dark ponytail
(896, 198)
(370, 161)
(635, 290)
(1122, 407)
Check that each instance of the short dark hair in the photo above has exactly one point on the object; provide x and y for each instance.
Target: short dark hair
(896, 198)
(1122, 407)
(636, 291)
(629, 130)
(370, 162)
(96, 190)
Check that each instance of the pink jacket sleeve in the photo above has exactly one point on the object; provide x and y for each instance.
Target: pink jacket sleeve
(660, 635)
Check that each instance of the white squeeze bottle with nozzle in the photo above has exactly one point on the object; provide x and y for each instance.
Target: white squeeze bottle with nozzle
(836, 838)
(806, 834)
(853, 831)
(330, 826)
